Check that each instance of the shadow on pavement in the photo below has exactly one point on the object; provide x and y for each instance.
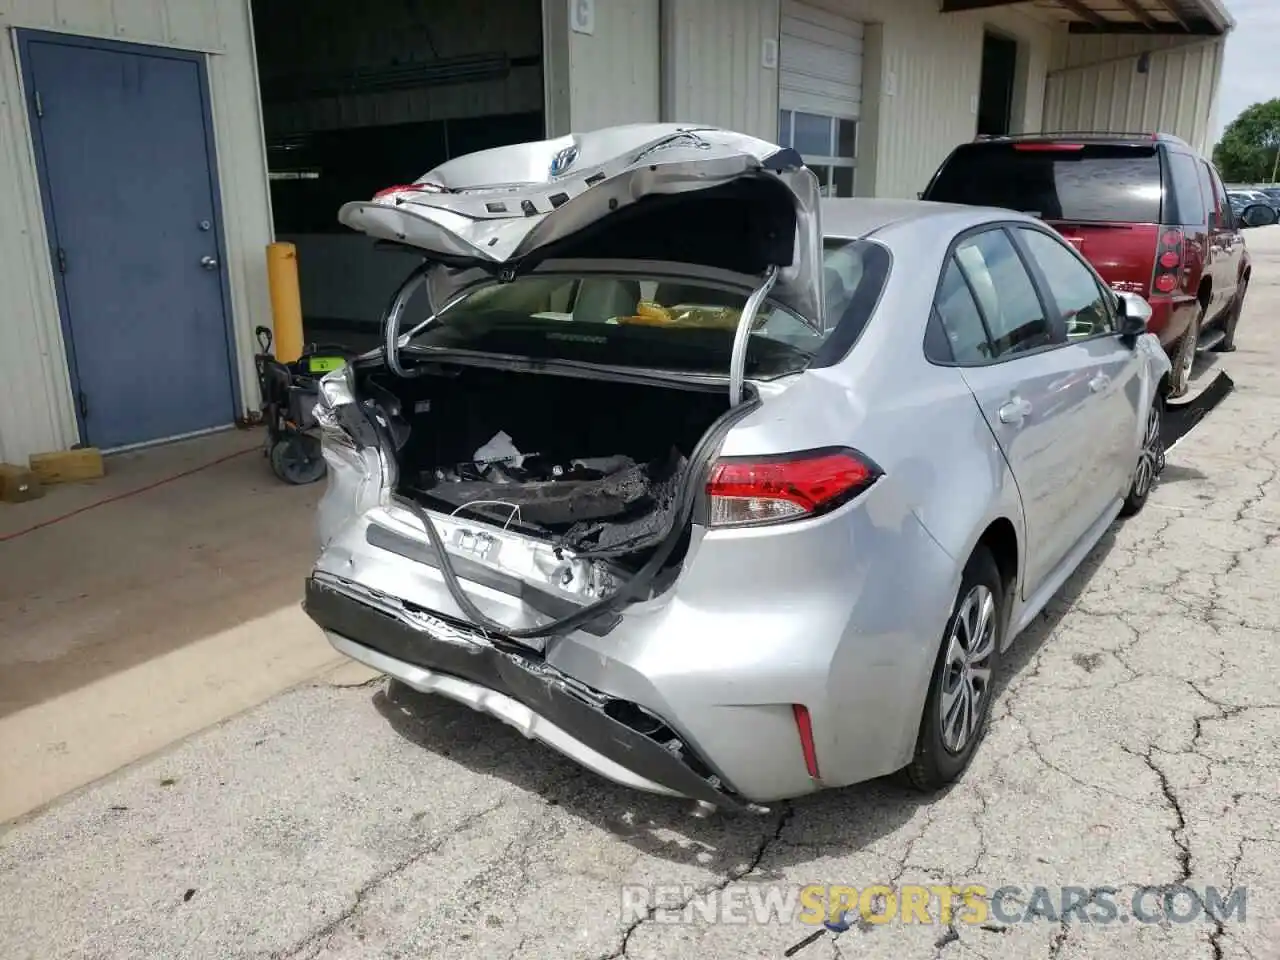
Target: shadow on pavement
(664, 827)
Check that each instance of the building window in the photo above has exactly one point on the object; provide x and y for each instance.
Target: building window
(828, 145)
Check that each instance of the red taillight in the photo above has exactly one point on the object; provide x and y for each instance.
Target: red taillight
(804, 726)
(1168, 268)
(751, 490)
(1048, 147)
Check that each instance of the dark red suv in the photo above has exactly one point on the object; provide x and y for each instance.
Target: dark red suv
(1146, 210)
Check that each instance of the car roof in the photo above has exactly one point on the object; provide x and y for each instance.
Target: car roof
(848, 218)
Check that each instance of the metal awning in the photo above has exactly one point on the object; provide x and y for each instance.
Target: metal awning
(1204, 18)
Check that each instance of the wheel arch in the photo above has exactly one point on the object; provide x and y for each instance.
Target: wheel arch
(1000, 538)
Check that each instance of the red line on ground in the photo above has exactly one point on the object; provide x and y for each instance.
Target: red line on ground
(125, 495)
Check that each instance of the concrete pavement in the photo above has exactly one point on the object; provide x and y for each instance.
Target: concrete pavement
(1134, 743)
(139, 609)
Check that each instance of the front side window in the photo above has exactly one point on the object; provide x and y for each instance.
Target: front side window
(1004, 292)
(1085, 308)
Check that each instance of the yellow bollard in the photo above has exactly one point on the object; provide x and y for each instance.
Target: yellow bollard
(286, 300)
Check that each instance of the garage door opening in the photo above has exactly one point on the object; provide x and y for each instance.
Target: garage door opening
(358, 96)
(995, 94)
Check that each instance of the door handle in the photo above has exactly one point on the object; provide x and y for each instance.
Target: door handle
(1099, 383)
(1015, 411)
(209, 263)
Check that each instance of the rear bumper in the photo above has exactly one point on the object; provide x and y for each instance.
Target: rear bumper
(432, 656)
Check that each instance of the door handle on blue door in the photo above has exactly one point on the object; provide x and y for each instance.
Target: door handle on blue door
(209, 263)
(1015, 411)
(1099, 382)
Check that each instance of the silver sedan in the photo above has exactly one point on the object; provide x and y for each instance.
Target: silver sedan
(722, 490)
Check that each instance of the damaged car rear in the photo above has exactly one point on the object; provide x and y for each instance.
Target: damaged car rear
(614, 477)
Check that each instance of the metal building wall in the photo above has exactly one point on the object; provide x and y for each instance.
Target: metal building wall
(713, 69)
(36, 411)
(920, 83)
(613, 71)
(1094, 84)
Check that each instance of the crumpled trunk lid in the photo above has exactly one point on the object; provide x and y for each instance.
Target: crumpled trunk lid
(501, 212)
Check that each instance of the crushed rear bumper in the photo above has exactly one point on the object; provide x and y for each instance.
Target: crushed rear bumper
(617, 739)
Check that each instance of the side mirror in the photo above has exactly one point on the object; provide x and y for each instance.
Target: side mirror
(1258, 215)
(1135, 314)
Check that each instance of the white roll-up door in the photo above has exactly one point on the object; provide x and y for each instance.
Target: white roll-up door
(820, 91)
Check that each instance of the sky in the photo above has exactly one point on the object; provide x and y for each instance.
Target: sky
(1251, 72)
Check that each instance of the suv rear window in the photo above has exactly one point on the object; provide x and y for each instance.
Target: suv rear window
(1109, 183)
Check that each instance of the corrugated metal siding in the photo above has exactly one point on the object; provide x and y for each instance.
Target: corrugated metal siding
(35, 401)
(713, 64)
(927, 74)
(1096, 86)
(613, 72)
(338, 37)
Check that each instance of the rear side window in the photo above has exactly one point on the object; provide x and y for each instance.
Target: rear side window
(1120, 184)
(1192, 205)
(960, 318)
(1004, 292)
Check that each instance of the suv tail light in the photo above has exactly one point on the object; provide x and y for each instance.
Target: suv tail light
(1167, 275)
(748, 491)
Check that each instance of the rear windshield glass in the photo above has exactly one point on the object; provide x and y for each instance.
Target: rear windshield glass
(1101, 183)
(657, 322)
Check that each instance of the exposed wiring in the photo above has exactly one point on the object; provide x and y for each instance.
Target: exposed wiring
(513, 515)
(699, 462)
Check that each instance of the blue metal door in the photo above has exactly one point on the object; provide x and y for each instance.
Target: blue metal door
(124, 147)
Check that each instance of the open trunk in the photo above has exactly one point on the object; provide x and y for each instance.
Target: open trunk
(591, 465)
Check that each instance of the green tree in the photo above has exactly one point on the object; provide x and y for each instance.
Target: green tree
(1250, 147)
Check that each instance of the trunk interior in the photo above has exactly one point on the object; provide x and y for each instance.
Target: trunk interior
(591, 465)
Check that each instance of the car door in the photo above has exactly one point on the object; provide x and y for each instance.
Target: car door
(1032, 393)
(1111, 368)
(1226, 245)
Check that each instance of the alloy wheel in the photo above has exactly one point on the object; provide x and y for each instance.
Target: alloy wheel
(966, 675)
(1151, 456)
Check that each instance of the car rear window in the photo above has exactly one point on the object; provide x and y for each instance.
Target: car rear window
(659, 322)
(1106, 183)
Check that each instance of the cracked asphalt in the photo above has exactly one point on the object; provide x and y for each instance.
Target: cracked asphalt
(1134, 743)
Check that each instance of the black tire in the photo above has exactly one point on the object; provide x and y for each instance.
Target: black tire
(1184, 357)
(1150, 457)
(937, 763)
(1228, 342)
(296, 459)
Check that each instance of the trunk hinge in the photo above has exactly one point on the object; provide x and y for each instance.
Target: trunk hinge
(741, 339)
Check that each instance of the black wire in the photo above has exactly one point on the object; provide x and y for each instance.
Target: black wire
(633, 587)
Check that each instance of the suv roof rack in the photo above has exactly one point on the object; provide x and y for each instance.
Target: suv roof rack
(1111, 135)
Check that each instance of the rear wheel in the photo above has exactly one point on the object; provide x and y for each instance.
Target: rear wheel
(961, 689)
(1150, 461)
(1228, 342)
(1184, 358)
